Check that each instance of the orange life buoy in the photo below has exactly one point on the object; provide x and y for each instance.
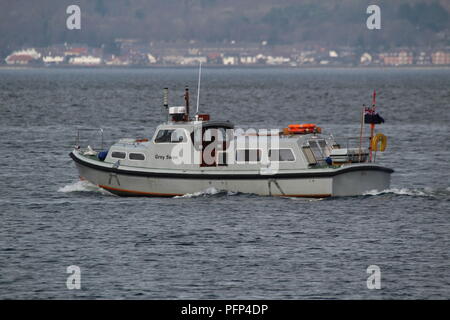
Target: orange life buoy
(302, 126)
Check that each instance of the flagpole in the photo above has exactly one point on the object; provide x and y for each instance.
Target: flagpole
(372, 125)
(198, 87)
(361, 132)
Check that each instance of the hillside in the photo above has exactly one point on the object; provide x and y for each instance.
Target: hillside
(404, 22)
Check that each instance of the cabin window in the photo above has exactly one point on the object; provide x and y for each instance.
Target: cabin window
(324, 147)
(316, 149)
(309, 155)
(136, 156)
(248, 155)
(281, 155)
(322, 143)
(170, 136)
(118, 155)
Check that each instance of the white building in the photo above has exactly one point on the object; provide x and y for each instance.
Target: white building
(248, 60)
(86, 60)
(229, 60)
(53, 59)
(333, 54)
(117, 61)
(366, 58)
(277, 60)
(193, 60)
(151, 58)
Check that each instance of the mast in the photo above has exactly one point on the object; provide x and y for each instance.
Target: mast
(166, 101)
(372, 125)
(361, 131)
(198, 87)
(166, 98)
(186, 99)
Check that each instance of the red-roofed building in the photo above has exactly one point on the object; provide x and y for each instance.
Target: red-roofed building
(19, 59)
(214, 58)
(24, 56)
(440, 57)
(397, 58)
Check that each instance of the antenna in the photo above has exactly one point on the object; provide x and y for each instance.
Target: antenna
(166, 98)
(186, 100)
(198, 88)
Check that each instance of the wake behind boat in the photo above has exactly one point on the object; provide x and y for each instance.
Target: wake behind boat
(191, 154)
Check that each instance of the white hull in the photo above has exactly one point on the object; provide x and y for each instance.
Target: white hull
(345, 181)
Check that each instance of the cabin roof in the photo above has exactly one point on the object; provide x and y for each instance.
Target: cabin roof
(217, 123)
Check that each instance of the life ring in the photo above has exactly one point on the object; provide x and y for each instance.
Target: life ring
(301, 126)
(379, 137)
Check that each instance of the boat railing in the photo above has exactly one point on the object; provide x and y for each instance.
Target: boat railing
(352, 142)
(357, 148)
(91, 140)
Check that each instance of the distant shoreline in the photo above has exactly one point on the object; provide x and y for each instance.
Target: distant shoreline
(104, 67)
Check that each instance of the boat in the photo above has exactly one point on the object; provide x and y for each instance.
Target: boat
(193, 153)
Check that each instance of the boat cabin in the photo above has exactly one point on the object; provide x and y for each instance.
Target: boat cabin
(200, 143)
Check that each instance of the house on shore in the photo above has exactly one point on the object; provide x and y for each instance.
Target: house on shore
(85, 61)
(440, 57)
(23, 57)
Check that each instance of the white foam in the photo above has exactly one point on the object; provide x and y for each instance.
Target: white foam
(83, 186)
(304, 199)
(401, 191)
(206, 192)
